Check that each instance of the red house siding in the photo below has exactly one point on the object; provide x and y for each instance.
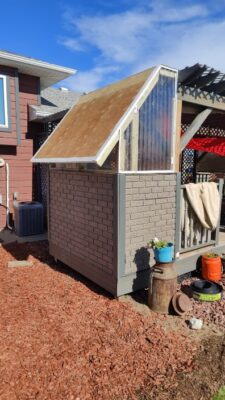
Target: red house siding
(15, 146)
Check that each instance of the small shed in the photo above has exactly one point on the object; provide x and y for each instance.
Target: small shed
(113, 179)
(120, 161)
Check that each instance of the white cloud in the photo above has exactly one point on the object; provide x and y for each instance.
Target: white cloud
(168, 32)
(185, 46)
(71, 44)
(86, 81)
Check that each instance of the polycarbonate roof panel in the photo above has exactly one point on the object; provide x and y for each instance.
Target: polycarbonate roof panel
(89, 123)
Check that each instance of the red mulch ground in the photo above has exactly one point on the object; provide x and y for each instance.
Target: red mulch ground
(63, 339)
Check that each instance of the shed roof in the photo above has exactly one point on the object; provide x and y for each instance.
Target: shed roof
(87, 126)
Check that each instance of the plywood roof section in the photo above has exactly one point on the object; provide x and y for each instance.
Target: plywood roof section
(89, 123)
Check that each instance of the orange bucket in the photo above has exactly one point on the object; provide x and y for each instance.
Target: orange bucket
(211, 267)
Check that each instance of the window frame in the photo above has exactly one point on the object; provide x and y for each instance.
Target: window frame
(6, 108)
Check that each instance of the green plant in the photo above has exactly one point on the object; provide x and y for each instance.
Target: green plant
(157, 244)
(161, 244)
(220, 395)
(211, 255)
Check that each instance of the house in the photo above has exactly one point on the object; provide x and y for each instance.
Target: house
(116, 164)
(54, 104)
(28, 104)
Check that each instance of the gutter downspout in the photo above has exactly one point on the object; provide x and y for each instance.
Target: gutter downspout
(7, 196)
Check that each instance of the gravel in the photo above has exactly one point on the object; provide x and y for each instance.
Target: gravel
(209, 312)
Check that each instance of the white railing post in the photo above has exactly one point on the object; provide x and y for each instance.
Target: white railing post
(221, 182)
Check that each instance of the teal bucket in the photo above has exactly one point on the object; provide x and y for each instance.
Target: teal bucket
(165, 254)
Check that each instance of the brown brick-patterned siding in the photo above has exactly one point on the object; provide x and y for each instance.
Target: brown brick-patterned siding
(18, 155)
(81, 218)
(150, 205)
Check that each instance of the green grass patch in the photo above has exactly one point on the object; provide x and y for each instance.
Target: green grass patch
(220, 395)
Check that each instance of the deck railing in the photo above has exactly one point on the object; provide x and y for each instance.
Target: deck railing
(190, 238)
(203, 177)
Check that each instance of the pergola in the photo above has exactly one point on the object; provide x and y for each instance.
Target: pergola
(201, 112)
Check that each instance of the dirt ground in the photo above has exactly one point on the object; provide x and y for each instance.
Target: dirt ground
(63, 338)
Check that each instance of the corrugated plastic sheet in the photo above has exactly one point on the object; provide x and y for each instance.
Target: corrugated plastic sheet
(89, 123)
(155, 126)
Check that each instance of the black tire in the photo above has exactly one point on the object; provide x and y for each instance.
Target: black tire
(206, 287)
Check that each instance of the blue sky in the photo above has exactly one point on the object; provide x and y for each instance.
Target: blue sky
(107, 40)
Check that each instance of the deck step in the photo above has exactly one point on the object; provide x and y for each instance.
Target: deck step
(187, 262)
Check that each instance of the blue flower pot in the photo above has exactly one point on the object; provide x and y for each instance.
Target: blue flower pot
(165, 254)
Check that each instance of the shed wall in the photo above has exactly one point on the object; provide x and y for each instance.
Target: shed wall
(149, 210)
(82, 229)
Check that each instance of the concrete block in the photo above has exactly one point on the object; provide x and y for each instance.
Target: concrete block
(23, 263)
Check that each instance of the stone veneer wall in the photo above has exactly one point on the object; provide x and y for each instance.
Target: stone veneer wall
(81, 223)
(150, 207)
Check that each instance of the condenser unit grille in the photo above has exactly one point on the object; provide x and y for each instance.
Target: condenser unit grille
(28, 218)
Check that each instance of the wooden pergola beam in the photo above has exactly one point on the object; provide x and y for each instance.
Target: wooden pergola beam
(201, 98)
(194, 127)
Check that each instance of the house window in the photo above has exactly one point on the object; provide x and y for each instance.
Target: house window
(3, 103)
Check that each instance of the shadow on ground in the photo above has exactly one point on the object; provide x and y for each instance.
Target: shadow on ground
(40, 251)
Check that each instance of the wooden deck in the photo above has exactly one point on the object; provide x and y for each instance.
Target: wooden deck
(187, 261)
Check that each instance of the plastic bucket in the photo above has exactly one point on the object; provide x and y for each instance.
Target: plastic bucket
(165, 254)
(211, 268)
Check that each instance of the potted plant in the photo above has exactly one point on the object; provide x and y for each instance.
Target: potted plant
(211, 267)
(163, 250)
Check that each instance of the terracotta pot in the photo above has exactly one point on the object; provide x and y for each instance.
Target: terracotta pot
(211, 268)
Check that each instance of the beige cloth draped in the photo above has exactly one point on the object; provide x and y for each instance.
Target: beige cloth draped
(205, 202)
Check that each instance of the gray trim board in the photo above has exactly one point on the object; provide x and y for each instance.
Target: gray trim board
(115, 226)
(121, 225)
(133, 282)
(18, 128)
(177, 219)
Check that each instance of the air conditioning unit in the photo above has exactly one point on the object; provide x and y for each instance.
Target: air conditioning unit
(28, 218)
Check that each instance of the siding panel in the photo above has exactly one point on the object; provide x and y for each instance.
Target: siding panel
(147, 200)
(18, 156)
(81, 227)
